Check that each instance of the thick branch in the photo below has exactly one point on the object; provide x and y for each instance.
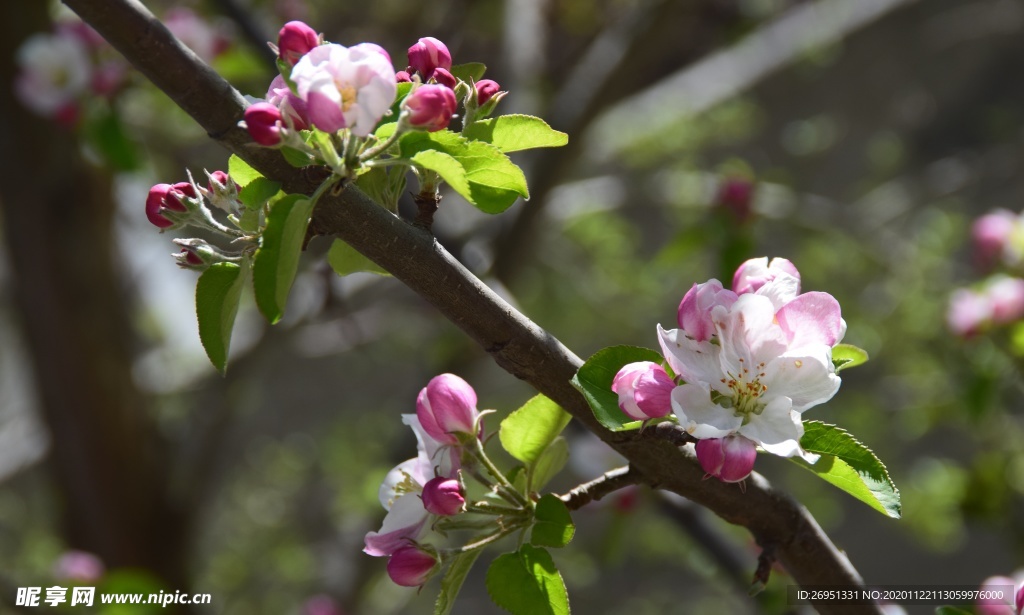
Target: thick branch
(517, 344)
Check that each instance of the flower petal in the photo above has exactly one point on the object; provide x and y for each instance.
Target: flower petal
(403, 523)
(777, 429)
(699, 415)
(805, 375)
(812, 318)
(691, 360)
(408, 470)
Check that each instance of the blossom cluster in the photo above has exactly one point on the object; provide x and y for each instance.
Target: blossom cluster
(331, 87)
(998, 245)
(745, 364)
(429, 486)
(1013, 604)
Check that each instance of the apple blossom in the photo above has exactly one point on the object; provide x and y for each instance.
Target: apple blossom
(165, 198)
(755, 273)
(445, 78)
(968, 312)
(694, 314)
(345, 87)
(427, 55)
(292, 107)
(446, 406)
(1006, 296)
(764, 367)
(443, 496)
(79, 566)
(412, 566)
(485, 90)
(54, 71)
(195, 33)
(991, 236)
(730, 459)
(644, 389)
(264, 122)
(430, 107)
(735, 195)
(1009, 604)
(295, 40)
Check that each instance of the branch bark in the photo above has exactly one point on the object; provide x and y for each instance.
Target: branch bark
(516, 344)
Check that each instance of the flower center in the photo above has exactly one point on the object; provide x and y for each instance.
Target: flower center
(404, 486)
(746, 391)
(348, 95)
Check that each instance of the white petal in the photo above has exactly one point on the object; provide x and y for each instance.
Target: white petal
(699, 415)
(805, 375)
(409, 469)
(692, 360)
(433, 455)
(777, 429)
(780, 291)
(748, 335)
(405, 521)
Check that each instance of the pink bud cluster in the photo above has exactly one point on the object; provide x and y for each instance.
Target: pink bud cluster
(746, 363)
(170, 206)
(998, 240)
(429, 485)
(999, 301)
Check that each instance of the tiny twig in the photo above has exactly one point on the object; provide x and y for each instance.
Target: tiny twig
(610, 481)
(765, 561)
(426, 205)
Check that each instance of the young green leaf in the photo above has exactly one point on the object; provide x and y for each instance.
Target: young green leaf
(240, 171)
(295, 157)
(847, 355)
(512, 133)
(453, 579)
(528, 431)
(277, 259)
(450, 170)
(851, 466)
(344, 259)
(553, 526)
(595, 377)
(257, 192)
(526, 582)
(469, 70)
(217, 294)
(549, 464)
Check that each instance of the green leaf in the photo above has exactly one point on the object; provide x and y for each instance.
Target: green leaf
(851, 466)
(528, 431)
(344, 259)
(277, 259)
(258, 191)
(295, 157)
(952, 610)
(549, 464)
(450, 170)
(595, 377)
(495, 182)
(553, 526)
(847, 355)
(526, 582)
(453, 579)
(240, 171)
(217, 294)
(512, 133)
(469, 70)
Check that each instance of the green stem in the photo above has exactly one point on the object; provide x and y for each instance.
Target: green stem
(483, 542)
(379, 149)
(481, 456)
(484, 508)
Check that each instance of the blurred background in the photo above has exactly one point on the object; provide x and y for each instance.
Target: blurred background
(859, 139)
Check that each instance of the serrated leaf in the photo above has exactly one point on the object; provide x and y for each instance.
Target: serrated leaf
(277, 259)
(240, 171)
(848, 355)
(218, 291)
(553, 526)
(450, 170)
(495, 182)
(469, 70)
(528, 431)
(257, 192)
(550, 463)
(295, 157)
(526, 582)
(851, 466)
(344, 259)
(513, 133)
(453, 579)
(594, 380)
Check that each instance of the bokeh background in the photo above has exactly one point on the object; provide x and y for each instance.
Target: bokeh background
(858, 138)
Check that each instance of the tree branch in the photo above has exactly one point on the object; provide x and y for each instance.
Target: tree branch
(516, 344)
(609, 482)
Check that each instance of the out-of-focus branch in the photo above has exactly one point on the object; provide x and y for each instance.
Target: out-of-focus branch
(516, 344)
(607, 483)
(251, 31)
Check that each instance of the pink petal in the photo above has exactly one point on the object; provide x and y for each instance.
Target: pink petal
(811, 318)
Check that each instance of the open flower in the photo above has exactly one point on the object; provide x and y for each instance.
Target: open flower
(54, 71)
(764, 367)
(345, 87)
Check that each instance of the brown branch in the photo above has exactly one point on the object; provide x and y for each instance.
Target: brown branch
(609, 482)
(516, 344)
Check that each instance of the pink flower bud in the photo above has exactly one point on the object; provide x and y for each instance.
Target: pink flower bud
(411, 566)
(403, 77)
(165, 197)
(730, 459)
(321, 604)
(992, 606)
(79, 566)
(443, 496)
(1006, 296)
(968, 312)
(445, 78)
(428, 54)
(1019, 599)
(219, 181)
(188, 258)
(991, 235)
(485, 89)
(446, 406)
(291, 106)
(644, 389)
(263, 121)
(694, 314)
(734, 195)
(295, 40)
(756, 272)
(431, 107)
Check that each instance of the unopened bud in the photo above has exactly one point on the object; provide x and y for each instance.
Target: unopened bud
(443, 77)
(263, 121)
(430, 107)
(485, 90)
(644, 389)
(403, 77)
(730, 459)
(443, 496)
(295, 40)
(164, 206)
(222, 192)
(429, 54)
(412, 566)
